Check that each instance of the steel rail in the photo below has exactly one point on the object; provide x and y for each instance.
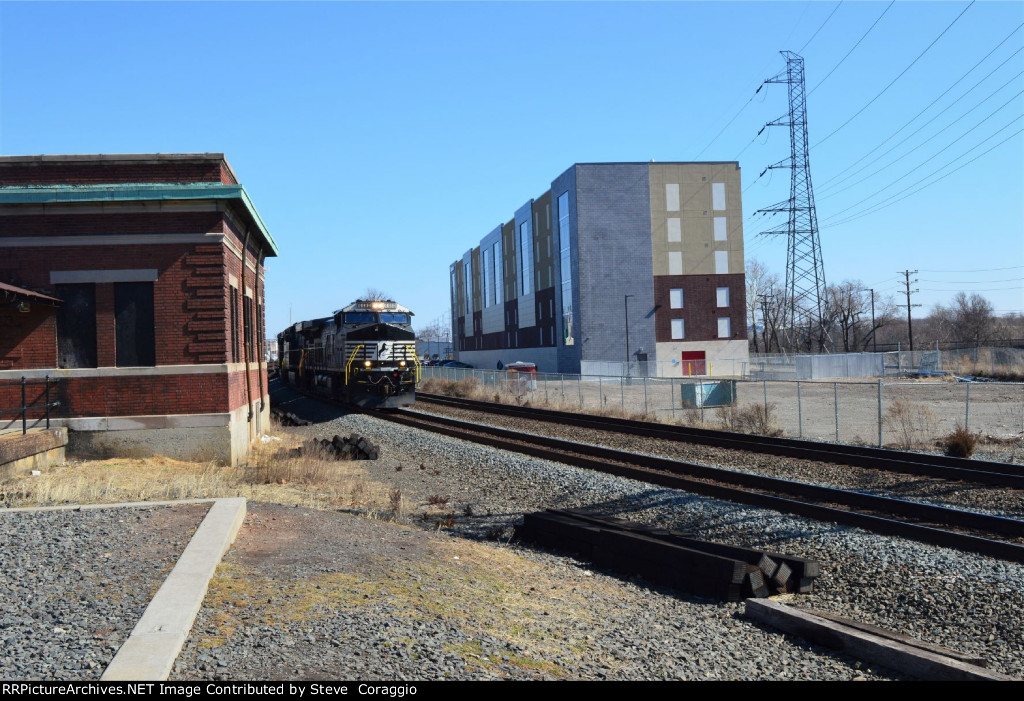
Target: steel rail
(740, 487)
(938, 466)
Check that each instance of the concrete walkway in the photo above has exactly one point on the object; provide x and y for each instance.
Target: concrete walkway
(153, 645)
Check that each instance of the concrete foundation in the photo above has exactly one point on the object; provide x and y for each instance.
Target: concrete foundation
(35, 450)
(220, 438)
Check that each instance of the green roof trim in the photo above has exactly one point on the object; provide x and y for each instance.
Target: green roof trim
(134, 192)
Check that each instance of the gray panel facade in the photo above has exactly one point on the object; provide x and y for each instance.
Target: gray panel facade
(613, 231)
(568, 356)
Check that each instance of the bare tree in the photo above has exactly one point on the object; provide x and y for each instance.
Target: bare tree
(372, 294)
(973, 318)
(759, 283)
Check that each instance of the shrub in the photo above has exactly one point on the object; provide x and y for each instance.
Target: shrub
(758, 418)
(960, 443)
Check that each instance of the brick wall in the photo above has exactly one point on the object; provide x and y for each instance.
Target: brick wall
(128, 396)
(100, 172)
(28, 340)
(13, 224)
(700, 310)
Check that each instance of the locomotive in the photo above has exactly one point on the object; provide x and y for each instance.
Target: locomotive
(365, 354)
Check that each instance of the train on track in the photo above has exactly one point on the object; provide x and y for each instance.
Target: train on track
(364, 354)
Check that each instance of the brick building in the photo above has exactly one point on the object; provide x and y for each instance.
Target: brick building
(138, 280)
(652, 250)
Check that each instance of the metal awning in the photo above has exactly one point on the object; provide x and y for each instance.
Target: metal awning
(10, 294)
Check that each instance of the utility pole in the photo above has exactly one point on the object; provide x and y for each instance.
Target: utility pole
(910, 324)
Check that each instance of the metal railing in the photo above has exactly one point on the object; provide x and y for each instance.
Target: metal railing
(49, 398)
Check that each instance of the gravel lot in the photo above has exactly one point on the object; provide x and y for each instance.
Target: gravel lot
(398, 613)
(75, 583)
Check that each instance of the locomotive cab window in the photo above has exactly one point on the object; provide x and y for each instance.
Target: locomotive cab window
(391, 318)
(360, 317)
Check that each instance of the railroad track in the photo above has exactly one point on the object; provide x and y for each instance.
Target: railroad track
(963, 530)
(937, 466)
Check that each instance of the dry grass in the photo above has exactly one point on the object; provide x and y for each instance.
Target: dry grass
(272, 474)
(530, 608)
(910, 422)
(960, 443)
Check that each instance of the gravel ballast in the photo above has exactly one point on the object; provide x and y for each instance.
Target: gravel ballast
(963, 601)
(75, 582)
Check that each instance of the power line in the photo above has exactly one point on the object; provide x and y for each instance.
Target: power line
(879, 207)
(974, 282)
(852, 50)
(891, 83)
(883, 189)
(933, 136)
(821, 27)
(944, 93)
(975, 270)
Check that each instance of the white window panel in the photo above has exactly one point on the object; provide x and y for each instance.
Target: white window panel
(675, 299)
(722, 295)
(672, 197)
(724, 328)
(720, 231)
(717, 195)
(675, 263)
(721, 262)
(678, 330)
(675, 229)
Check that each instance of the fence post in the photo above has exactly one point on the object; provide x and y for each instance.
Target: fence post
(24, 422)
(645, 395)
(579, 387)
(701, 385)
(879, 413)
(835, 391)
(47, 402)
(546, 390)
(600, 392)
(765, 383)
(561, 384)
(967, 409)
(622, 392)
(672, 395)
(799, 412)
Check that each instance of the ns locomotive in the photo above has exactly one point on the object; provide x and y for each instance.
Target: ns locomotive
(365, 354)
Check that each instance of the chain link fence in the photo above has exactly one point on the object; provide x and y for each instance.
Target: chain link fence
(879, 412)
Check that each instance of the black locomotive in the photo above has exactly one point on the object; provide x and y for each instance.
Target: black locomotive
(365, 354)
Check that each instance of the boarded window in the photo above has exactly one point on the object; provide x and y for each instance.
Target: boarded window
(675, 263)
(247, 329)
(675, 230)
(678, 330)
(672, 197)
(76, 326)
(718, 195)
(675, 299)
(724, 328)
(236, 350)
(720, 231)
(721, 262)
(134, 330)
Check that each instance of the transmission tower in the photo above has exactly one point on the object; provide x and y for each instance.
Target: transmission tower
(805, 272)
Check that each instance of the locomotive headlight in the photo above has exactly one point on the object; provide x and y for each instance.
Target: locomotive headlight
(401, 363)
(367, 363)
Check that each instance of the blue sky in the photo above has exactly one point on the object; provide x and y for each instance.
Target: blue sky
(379, 141)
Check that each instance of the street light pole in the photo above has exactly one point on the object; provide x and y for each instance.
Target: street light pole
(625, 301)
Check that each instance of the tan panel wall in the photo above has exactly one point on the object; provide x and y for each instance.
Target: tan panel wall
(544, 261)
(724, 357)
(508, 253)
(460, 295)
(696, 216)
(478, 284)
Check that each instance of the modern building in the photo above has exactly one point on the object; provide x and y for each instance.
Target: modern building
(138, 282)
(616, 260)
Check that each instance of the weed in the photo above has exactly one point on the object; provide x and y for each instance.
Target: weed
(437, 500)
(960, 443)
(910, 422)
(758, 418)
